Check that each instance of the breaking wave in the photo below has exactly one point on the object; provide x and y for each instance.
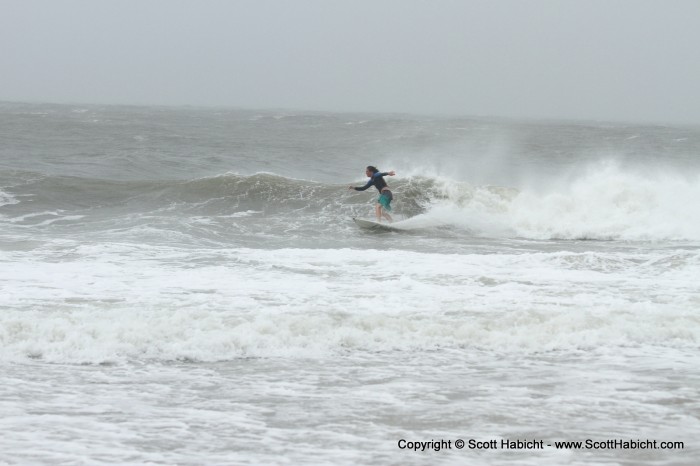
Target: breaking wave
(600, 203)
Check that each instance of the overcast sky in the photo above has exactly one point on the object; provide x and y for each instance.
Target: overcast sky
(635, 60)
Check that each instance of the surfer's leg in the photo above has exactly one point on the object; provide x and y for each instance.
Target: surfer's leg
(378, 212)
(387, 216)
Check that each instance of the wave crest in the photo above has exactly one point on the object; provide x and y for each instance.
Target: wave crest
(602, 203)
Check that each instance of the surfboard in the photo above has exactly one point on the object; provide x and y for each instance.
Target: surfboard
(370, 225)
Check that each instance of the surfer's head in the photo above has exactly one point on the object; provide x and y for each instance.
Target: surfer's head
(371, 170)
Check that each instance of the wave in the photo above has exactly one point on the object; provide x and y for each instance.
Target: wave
(602, 202)
(221, 194)
(197, 335)
(116, 303)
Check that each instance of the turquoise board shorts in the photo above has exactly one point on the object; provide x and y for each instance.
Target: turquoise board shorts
(385, 200)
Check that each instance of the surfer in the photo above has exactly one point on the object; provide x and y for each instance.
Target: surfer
(376, 179)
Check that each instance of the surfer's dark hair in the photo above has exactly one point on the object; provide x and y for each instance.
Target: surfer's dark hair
(372, 169)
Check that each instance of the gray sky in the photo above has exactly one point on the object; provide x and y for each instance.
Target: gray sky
(634, 60)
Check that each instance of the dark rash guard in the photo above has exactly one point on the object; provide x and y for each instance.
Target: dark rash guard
(377, 181)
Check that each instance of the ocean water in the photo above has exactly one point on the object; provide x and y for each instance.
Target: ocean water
(186, 286)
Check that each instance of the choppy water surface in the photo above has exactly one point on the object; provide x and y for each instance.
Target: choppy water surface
(185, 286)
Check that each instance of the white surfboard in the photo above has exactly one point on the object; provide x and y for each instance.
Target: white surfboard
(370, 225)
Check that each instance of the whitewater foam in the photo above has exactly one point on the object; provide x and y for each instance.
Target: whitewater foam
(120, 303)
(604, 203)
(7, 199)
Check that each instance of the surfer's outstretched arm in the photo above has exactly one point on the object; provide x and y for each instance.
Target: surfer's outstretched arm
(369, 183)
